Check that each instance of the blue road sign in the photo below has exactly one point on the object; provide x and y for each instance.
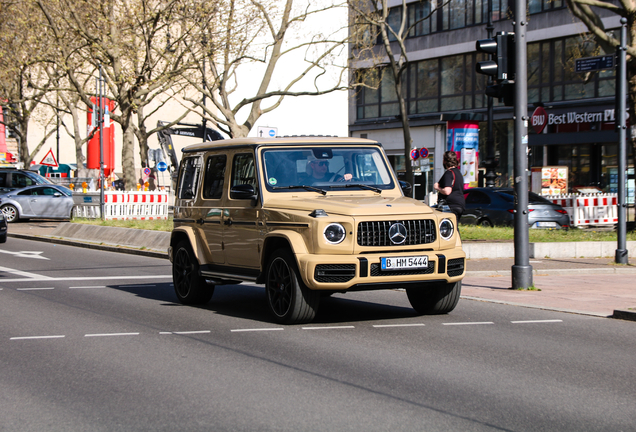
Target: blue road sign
(590, 64)
(162, 166)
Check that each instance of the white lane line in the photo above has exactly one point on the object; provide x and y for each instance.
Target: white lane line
(30, 276)
(258, 329)
(536, 321)
(328, 328)
(88, 287)
(398, 325)
(34, 289)
(38, 278)
(37, 337)
(467, 323)
(110, 334)
(186, 332)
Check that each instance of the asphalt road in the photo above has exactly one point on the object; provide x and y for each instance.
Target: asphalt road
(93, 340)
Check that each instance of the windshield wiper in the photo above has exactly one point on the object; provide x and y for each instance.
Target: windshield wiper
(360, 185)
(306, 187)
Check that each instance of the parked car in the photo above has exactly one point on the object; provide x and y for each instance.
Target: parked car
(39, 201)
(12, 179)
(3, 228)
(495, 206)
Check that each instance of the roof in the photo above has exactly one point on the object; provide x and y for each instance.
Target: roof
(289, 141)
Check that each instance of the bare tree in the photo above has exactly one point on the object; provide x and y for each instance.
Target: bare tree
(24, 82)
(588, 12)
(130, 41)
(372, 23)
(257, 37)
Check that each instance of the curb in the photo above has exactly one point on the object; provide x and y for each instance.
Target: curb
(99, 246)
(627, 315)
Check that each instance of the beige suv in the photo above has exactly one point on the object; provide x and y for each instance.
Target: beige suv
(307, 217)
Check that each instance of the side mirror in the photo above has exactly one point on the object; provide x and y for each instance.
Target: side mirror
(57, 194)
(407, 189)
(243, 191)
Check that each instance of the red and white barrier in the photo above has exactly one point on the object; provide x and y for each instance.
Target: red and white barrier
(588, 209)
(123, 205)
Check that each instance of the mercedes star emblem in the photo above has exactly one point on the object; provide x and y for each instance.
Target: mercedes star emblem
(397, 233)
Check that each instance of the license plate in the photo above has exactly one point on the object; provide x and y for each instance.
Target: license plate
(546, 224)
(401, 263)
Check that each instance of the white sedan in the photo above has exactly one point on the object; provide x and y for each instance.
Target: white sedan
(39, 201)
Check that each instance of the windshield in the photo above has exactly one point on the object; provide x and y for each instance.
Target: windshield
(38, 178)
(326, 168)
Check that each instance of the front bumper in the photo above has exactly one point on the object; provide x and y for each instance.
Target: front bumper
(363, 272)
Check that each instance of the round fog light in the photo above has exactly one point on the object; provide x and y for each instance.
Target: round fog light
(334, 233)
(446, 229)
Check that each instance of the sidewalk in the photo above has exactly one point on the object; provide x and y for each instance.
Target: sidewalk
(590, 286)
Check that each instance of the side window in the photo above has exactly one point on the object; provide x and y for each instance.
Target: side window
(48, 191)
(243, 171)
(214, 177)
(19, 180)
(189, 178)
(476, 197)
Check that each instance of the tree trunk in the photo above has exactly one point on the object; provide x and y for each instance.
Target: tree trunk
(128, 157)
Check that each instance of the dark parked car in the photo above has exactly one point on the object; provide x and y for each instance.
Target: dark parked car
(40, 201)
(3, 228)
(12, 179)
(495, 206)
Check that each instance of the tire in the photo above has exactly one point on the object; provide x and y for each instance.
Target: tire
(189, 286)
(289, 300)
(437, 298)
(10, 213)
(485, 223)
(3, 239)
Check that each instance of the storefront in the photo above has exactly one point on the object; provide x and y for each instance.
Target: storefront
(584, 141)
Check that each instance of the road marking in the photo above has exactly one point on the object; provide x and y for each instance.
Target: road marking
(398, 325)
(468, 323)
(88, 287)
(110, 334)
(328, 328)
(258, 329)
(23, 274)
(536, 321)
(37, 337)
(34, 289)
(26, 254)
(38, 278)
(186, 332)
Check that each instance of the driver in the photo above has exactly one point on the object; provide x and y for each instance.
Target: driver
(318, 171)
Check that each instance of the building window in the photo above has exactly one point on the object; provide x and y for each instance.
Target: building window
(537, 6)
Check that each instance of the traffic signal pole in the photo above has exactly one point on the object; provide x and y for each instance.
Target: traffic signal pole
(521, 270)
(621, 254)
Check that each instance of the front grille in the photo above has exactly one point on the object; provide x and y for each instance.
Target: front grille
(456, 267)
(419, 231)
(334, 273)
(376, 270)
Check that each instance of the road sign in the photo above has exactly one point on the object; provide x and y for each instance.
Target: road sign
(415, 154)
(49, 159)
(267, 132)
(424, 152)
(162, 166)
(147, 171)
(589, 64)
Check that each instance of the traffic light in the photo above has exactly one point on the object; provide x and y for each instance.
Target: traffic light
(501, 65)
(505, 92)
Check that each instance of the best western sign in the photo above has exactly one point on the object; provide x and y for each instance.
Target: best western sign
(540, 119)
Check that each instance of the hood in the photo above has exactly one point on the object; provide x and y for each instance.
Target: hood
(351, 205)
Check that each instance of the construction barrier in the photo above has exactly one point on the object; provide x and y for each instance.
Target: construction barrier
(123, 205)
(588, 209)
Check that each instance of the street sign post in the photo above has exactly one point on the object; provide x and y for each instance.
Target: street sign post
(591, 64)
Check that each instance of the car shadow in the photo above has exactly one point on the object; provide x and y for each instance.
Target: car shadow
(249, 302)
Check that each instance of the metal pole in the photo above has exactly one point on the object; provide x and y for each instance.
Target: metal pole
(490, 162)
(100, 118)
(521, 270)
(621, 256)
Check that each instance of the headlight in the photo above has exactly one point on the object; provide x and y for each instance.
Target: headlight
(446, 229)
(334, 233)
